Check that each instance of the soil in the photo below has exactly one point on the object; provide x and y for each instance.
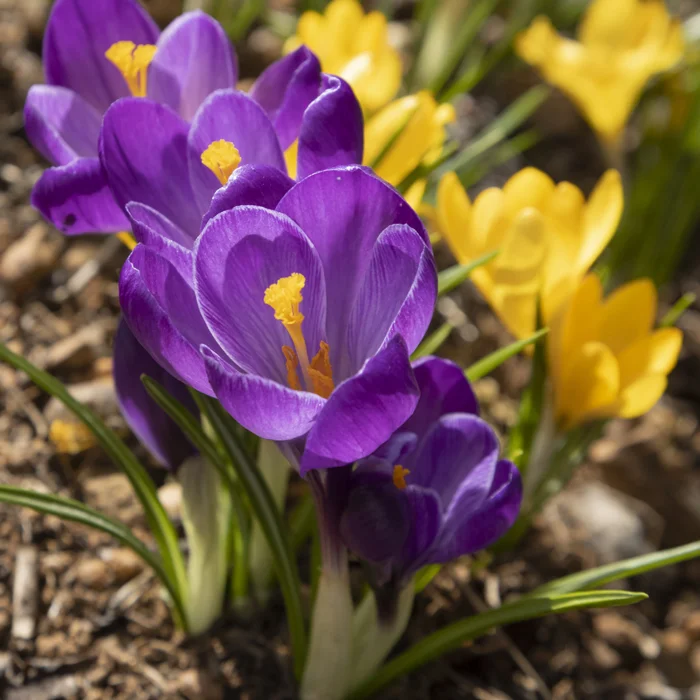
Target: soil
(81, 618)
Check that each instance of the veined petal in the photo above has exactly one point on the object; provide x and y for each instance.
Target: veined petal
(332, 132)
(161, 310)
(194, 58)
(343, 211)
(286, 89)
(239, 254)
(457, 459)
(153, 427)
(77, 35)
(60, 124)
(402, 275)
(232, 116)
(143, 149)
(467, 531)
(256, 185)
(261, 405)
(443, 389)
(363, 411)
(75, 198)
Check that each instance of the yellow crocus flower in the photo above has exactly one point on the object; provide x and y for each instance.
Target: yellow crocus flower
(407, 133)
(355, 46)
(605, 357)
(619, 46)
(547, 236)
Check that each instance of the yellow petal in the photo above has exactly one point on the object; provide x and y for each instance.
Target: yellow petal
(654, 354)
(453, 215)
(640, 396)
(527, 188)
(590, 385)
(487, 226)
(574, 325)
(628, 314)
(522, 252)
(606, 22)
(515, 306)
(375, 77)
(534, 44)
(600, 219)
(414, 196)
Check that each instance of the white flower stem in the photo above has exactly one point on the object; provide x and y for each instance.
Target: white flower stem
(206, 511)
(373, 638)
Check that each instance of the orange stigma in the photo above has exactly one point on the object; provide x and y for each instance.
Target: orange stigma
(399, 477)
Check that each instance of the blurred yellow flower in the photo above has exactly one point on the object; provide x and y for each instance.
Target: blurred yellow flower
(605, 358)
(355, 46)
(407, 133)
(547, 237)
(620, 45)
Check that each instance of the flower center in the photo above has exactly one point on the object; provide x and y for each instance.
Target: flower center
(399, 477)
(132, 61)
(222, 158)
(284, 296)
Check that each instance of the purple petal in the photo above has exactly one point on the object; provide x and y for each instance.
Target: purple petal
(194, 58)
(266, 408)
(426, 521)
(257, 185)
(286, 89)
(363, 412)
(234, 117)
(143, 149)
(77, 35)
(75, 198)
(466, 531)
(457, 459)
(161, 310)
(376, 522)
(402, 275)
(443, 389)
(153, 427)
(60, 124)
(239, 255)
(343, 211)
(332, 131)
(157, 232)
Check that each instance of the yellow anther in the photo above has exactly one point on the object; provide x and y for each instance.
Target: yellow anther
(127, 239)
(321, 372)
(291, 363)
(399, 477)
(132, 61)
(222, 158)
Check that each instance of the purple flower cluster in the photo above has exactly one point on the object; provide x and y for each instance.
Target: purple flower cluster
(296, 302)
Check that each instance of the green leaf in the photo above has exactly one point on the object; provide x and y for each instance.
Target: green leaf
(453, 276)
(619, 570)
(69, 509)
(301, 521)
(677, 310)
(263, 506)
(495, 359)
(158, 521)
(431, 344)
(425, 576)
(453, 636)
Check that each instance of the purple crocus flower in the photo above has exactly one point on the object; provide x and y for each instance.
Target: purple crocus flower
(299, 319)
(95, 52)
(151, 425)
(436, 490)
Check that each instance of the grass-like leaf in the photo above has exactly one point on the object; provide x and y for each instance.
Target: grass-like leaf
(453, 636)
(69, 509)
(618, 570)
(489, 363)
(453, 276)
(158, 521)
(432, 343)
(677, 310)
